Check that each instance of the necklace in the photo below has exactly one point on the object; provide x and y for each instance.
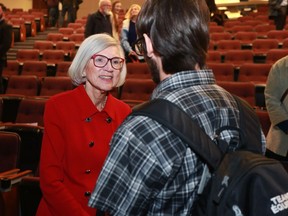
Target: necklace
(102, 105)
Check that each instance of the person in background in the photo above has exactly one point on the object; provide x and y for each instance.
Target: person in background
(53, 12)
(276, 98)
(78, 127)
(149, 170)
(128, 32)
(77, 6)
(116, 25)
(278, 12)
(6, 38)
(67, 8)
(100, 21)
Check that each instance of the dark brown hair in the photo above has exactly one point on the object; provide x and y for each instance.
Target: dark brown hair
(178, 30)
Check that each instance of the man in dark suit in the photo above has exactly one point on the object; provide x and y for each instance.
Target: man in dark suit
(100, 21)
(5, 42)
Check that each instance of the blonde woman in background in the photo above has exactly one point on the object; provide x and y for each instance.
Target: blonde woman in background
(128, 32)
(116, 23)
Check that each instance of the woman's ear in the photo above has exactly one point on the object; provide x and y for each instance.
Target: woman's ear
(149, 47)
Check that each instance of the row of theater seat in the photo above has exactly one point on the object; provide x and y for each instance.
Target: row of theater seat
(238, 56)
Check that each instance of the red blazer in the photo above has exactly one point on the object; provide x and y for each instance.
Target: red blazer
(75, 144)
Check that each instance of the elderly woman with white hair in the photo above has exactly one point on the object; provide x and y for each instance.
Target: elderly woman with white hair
(78, 127)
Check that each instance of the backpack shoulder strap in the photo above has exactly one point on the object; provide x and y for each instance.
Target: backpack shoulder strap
(250, 127)
(180, 123)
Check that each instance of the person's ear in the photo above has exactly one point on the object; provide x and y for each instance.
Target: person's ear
(149, 47)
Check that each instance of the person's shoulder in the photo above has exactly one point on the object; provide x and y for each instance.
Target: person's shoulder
(63, 97)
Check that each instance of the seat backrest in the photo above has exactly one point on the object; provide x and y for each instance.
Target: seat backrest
(245, 37)
(31, 110)
(263, 45)
(137, 90)
(74, 25)
(54, 37)
(37, 68)
(239, 57)
(67, 46)
(42, 45)
(9, 150)
(62, 68)
(77, 38)
(12, 68)
(23, 55)
(274, 55)
(214, 56)
(254, 72)
(222, 71)
(66, 31)
(53, 56)
(245, 90)
(31, 141)
(280, 35)
(23, 85)
(224, 45)
(138, 70)
(216, 36)
(54, 85)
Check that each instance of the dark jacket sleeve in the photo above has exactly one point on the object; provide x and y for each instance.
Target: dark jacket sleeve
(89, 26)
(6, 40)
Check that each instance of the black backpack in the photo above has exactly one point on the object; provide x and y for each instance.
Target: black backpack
(243, 182)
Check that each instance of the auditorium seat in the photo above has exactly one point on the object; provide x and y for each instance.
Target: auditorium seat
(274, 55)
(245, 90)
(263, 29)
(22, 85)
(280, 35)
(67, 46)
(23, 55)
(246, 38)
(77, 38)
(10, 144)
(37, 68)
(239, 57)
(136, 91)
(216, 36)
(54, 85)
(52, 57)
(66, 31)
(31, 141)
(138, 70)
(261, 46)
(30, 23)
(216, 28)
(75, 25)
(224, 45)
(42, 45)
(31, 111)
(254, 72)
(222, 71)
(54, 37)
(62, 68)
(12, 68)
(213, 56)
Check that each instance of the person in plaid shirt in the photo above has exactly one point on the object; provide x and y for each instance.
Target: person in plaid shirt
(149, 170)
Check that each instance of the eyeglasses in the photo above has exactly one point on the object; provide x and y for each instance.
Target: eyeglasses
(101, 61)
(140, 46)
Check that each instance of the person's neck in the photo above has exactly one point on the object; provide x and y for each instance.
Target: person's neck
(97, 96)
